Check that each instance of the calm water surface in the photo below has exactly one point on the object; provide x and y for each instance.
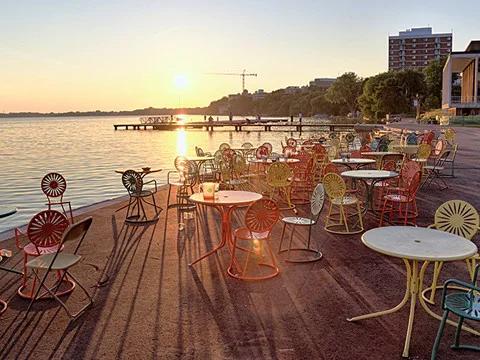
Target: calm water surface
(87, 151)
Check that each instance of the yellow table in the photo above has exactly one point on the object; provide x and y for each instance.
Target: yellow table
(413, 245)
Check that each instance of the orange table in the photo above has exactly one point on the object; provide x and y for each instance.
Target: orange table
(225, 202)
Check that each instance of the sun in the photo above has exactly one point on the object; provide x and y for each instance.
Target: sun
(180, 81)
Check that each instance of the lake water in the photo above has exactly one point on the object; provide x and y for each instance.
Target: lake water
(86, 151)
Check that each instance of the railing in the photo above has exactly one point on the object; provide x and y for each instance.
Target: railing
(465, 100)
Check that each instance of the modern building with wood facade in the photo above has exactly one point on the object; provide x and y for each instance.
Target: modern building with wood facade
(415, 48)
(461, 81)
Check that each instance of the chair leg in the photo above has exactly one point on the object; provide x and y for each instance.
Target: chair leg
(439, 335)
(456, 343)
(281, 239)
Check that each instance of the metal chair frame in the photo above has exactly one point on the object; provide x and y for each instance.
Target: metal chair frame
(433, 173)
(336, 190)
(463, 304)
(54, 185)
(75, 232)
(260, 218)
(134, 184)
(316, 206)
(459, 218)
(185, 179)
(44, 231)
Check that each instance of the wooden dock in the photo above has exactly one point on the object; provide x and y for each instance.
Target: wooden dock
(239, 126)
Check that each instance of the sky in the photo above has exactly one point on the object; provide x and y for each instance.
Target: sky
(122, 55)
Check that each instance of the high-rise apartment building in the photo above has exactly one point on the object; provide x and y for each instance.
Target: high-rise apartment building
(415, 48)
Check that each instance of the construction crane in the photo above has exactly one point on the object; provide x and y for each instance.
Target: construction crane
(242, 74)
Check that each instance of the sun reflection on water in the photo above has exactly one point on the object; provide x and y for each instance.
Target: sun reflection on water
(181, 142)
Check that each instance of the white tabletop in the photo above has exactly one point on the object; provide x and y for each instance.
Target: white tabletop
(271, 161)
(200, 158)
(353, 161)
(417, 243)
(228, 197)
(370, 174)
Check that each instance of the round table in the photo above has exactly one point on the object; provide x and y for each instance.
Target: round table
(414, 244)
(375, 176)
(225, 202)
(353, 162)
(7, 211)
(271, 161)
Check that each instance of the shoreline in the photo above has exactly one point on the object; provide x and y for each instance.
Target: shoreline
(7, 234)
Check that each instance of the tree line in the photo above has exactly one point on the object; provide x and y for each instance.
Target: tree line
(392, 92)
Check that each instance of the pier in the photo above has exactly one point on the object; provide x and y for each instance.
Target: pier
(244, 125)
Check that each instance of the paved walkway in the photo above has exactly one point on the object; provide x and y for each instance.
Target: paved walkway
(150, 305)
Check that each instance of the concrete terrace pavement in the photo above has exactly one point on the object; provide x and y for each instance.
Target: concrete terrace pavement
(150, 305)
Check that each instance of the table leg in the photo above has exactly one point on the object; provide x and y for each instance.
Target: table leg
(225, 213)
(411, 291)
(395, 308)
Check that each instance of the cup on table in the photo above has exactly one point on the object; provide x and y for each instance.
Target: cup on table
(209, 189)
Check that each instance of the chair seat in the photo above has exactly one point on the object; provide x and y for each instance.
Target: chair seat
(143, 193)
(346, 200)
(63, 261)
(297, 220)
(30, 249)
(431, 167)
(464, 304)
(396, 198)
(245, 234)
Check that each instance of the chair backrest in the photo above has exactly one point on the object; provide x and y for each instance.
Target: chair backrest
(76, 232)
(450, 135)
(319, 151)
(268, 146)
(132, 181)
(308, 142)
(317, 201)
(53, 185)
(239, 165)
(46, 228)
(389, 165)
(279, 174)
(409, 169)
(427, 138)
(349, 137)
(224, 146)
(187, 170)
(247, 145)
(262, 215)
(424, 151)
(228, 155)
(291, 142)
(439, 147)
(457, 217)
(262, 151)
(199, 151)
(330, 168)
(365, 148)
(442, 158)
(414, 184)
(289, 150)
(396, 158)
(218, 158)
(334, 186)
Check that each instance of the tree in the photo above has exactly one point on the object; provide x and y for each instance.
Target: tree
(345, 91)
(433, 82)
(391, 93)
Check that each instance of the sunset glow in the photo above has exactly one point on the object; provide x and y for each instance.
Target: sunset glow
(62, 56)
